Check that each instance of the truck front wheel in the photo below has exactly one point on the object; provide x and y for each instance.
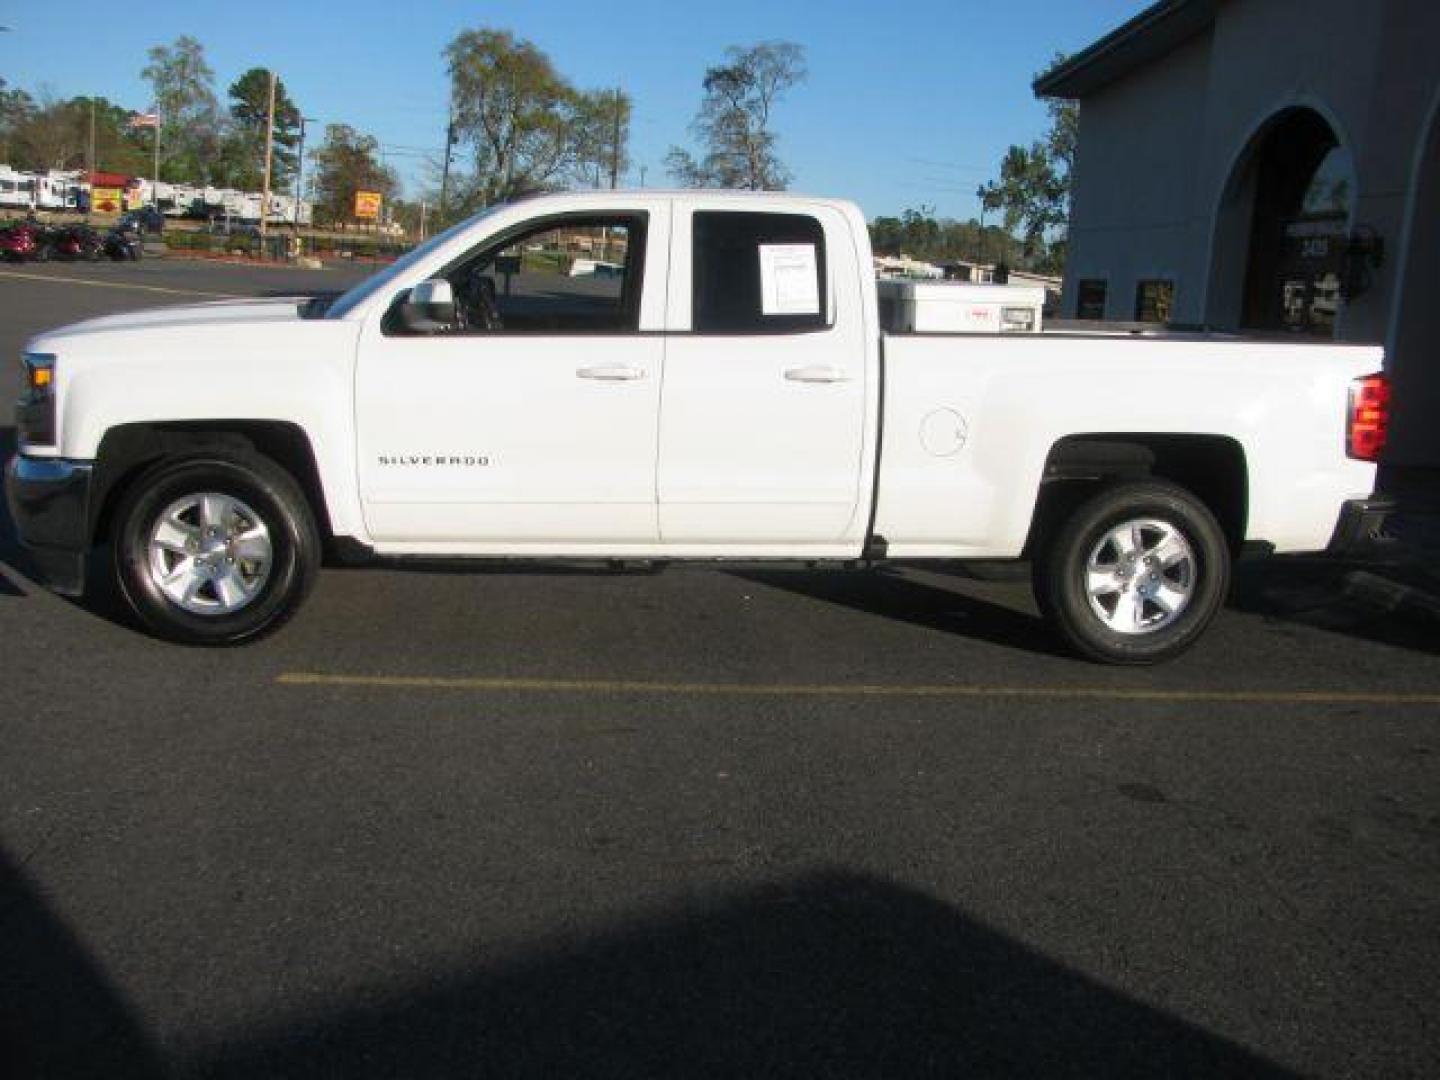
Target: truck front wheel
(1135, 574)
(215, 549)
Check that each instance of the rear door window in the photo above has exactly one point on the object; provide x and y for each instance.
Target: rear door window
(758, 273)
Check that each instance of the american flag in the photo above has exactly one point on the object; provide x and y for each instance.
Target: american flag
(144, 120)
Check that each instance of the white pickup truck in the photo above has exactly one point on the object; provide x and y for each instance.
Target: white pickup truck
(675, 377)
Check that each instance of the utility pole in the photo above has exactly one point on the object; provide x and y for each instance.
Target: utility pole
(155, 181)
(90, 157)
(980, 194)
(300, 171)
(445, 171)
(615, 145)
(269, 149)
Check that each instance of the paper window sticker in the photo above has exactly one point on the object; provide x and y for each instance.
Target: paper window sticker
(789, 280)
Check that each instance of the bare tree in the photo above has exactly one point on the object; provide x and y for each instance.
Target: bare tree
(733, 123)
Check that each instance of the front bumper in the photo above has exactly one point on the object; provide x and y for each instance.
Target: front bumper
(49, 502)
(1360, 532)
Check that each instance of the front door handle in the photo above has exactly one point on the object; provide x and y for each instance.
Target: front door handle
(611, 372)
(818, 373)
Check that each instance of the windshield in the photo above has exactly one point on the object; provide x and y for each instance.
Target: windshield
(347, 302)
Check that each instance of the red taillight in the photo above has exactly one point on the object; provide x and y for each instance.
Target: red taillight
(1369, 417)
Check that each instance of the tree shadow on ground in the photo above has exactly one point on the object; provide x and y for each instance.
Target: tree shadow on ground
(60, 1015)
(831, 974)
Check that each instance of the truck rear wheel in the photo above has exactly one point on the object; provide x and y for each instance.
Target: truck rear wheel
(1135, 574)
(215, 549)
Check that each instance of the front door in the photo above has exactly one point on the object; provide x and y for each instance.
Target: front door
(529, 423)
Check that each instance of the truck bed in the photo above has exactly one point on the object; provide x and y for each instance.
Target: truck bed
(971, 418)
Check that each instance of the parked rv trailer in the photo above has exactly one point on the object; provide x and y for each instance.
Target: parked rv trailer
(17, 189)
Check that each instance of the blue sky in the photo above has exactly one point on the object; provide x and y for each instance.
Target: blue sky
(907, 104)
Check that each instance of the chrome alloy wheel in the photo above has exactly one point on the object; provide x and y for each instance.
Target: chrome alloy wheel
(210, 553)
(1140, 576)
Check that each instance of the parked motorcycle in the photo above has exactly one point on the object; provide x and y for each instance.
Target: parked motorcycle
(74, 242)
(123, 245)
(25, 242)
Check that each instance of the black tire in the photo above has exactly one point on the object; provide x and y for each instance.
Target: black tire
(259, 485)
(1061, 574)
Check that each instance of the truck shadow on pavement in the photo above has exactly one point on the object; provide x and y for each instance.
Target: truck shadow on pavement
(831, 974)
(1323, 594)
(1315, 593)
(894, 595)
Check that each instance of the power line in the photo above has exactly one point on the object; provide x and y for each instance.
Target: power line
(952, 165)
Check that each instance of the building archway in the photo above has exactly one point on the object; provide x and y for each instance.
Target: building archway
(1281, 229)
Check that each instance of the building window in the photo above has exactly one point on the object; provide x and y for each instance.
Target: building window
(1154, 301)
(1090, 299)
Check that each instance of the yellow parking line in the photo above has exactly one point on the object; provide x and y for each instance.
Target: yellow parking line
(117, 285)
(859, 690)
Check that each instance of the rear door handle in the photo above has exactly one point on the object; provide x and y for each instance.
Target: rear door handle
(818, 373)
(611, 372)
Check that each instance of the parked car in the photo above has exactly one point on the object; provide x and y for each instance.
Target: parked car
(428, 412)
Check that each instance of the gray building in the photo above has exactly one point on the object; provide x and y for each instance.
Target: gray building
(1268, 166)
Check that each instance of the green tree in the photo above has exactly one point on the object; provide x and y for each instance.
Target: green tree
(921, 235)
(601, 137)
(733, 124)
(117, 147)
(346, 162)
(1033, 189)
(249, 112)
(514, 111)
(16, 107)
(182, 83)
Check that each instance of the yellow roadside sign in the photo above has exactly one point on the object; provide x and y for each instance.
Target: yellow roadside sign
(107, 200)
(367, 204)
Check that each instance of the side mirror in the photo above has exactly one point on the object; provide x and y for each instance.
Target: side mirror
(429, 307)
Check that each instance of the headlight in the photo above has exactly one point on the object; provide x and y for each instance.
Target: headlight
(35, 411)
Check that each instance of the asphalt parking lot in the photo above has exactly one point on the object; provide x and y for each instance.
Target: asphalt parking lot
(700, 823)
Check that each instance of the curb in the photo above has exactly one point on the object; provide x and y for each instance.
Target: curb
(177, 254)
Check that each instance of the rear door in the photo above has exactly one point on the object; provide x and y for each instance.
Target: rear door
(763, 411)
